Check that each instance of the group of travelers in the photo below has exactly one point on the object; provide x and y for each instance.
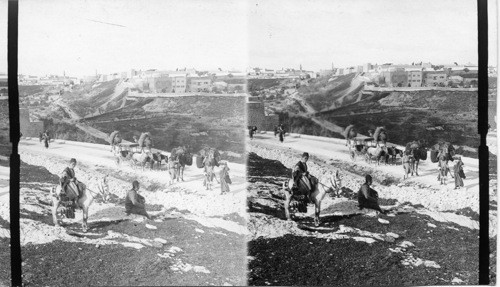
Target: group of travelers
(367, 196)
(134, 202)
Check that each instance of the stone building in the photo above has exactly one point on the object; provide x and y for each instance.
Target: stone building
(256, 115)
(29, 128)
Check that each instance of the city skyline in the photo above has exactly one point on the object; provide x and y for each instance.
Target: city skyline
(111, 36)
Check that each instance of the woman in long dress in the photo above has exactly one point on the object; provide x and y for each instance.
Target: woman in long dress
(224, 175)
(458, 170)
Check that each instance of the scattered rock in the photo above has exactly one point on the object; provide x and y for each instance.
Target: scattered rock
(396, 250)
(389, 239)
(431, 225)
(149, 226)
(383, 221)
(392, 234)
(429, 263)
(364, 239)
(160, 240)
(157, 244)
(174, 249)
(226, 284)
(199, 230)
(201, 269)
(457, 280)
(165, 255)
(406, 244)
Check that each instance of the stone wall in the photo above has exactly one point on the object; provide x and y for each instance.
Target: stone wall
(28, 128)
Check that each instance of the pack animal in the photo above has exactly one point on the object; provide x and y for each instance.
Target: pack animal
(356, 150)
(376, 152)
(115, 139)
(393, 152)
(349, 134)
(157, 159)
(183, 157)
(142, 158)
(85, 197)
(418, 150)
(122, 156)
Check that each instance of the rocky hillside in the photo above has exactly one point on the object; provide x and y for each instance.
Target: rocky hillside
(430, 115)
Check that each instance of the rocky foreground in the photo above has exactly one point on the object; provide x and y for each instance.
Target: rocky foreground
(430, 237)
(197, 236)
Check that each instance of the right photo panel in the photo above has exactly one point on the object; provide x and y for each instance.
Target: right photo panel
(363, 143)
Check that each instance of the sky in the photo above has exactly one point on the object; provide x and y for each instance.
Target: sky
(317, 33)
(80, 37)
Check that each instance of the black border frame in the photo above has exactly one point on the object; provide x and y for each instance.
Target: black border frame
(12, 55)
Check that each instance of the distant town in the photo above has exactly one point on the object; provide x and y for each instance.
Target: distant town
(181, 81)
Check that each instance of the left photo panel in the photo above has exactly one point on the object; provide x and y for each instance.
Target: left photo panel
(132, 152)
(5, 150)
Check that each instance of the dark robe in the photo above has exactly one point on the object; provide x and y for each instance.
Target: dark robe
(368, 198)
(457, 170)
(135, 204)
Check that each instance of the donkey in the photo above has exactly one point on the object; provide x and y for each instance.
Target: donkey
(377, 152)
(356, 150)
(142, 158)
(84, 200)
(393, 152)
(316, 195)
(419, 151)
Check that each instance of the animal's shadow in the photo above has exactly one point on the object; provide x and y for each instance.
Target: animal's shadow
(267, 210)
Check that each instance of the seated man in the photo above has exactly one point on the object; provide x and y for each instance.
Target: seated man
(368, 197)
(134, 202)
(299, 171)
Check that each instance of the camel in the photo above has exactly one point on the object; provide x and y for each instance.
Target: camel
(115, 139)
(380, 135)
(349, 133)
(85, 198)
(315, 196)
(145, 142)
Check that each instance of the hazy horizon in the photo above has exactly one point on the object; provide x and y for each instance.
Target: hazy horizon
(118, 35)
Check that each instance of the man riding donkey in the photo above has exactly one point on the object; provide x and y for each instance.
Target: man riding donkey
(70, 186)
(303, 182)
